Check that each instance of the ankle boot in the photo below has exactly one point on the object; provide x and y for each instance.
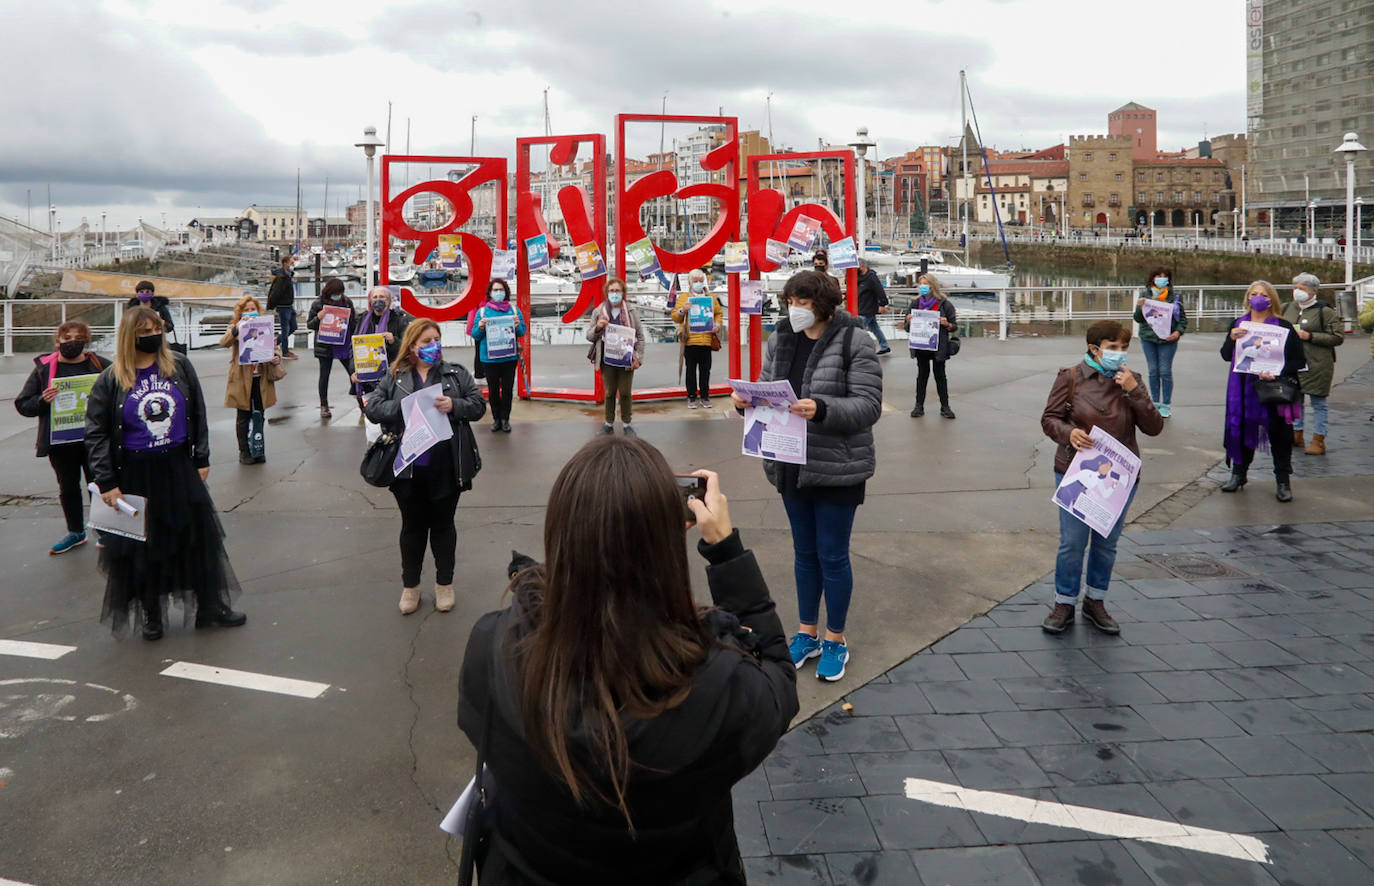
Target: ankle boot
(410, 600)
(1282, 491)
(1236, 482)
(1317, 446)
(324, 409)
(443, 597)
(1297, 438)
(152, 624)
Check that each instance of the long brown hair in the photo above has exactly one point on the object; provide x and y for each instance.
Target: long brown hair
(615, 631)
(419, 326)
(125, 353)
(242, 306)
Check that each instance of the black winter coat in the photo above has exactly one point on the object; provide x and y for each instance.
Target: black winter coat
(30, 403)
(872, 296)
(941, 352)
(159, 304)
(1294, 358)
(105, 423)
(313, 322)
(383, 406)
(282, 292)
(684, 761)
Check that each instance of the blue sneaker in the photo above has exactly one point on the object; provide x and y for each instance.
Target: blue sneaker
(69, 541)
(1164, 410)
(802, 647)
(834, 656)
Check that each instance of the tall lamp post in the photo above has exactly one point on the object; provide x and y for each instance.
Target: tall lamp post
(1359, 221)
(102, 229)
(1235, 225)
(1350, 147)
(861, 144)
(52, 228)
(370, 143)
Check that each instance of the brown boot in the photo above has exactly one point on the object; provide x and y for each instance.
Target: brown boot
(1059, 619)
(1297, 439)
(1317, 446)
(1095, 611)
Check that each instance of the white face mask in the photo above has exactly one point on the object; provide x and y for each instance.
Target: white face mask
(698, 287)
(614, 298)
(801, 319)
(1305, 298)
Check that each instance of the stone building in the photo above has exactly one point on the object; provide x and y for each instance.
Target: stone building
(1138, 123)
(1100, 170)
(1182, 193)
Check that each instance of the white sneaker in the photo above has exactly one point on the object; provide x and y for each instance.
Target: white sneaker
(691, 403)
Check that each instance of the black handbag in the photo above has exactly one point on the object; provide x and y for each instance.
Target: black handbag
(376, 467)
(477, 826)
(1279, 390)
(953, 345)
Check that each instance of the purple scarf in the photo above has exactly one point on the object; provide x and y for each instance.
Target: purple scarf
(928, 303)
(1247, 419)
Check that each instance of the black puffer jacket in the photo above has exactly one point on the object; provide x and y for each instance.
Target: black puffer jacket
(105, 423)
(684, 761)
(159, 304)
(872, 296)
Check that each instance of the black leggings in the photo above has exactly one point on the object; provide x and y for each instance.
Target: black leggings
(501, 387)
(698, 359)
(426, 519)
(68, 462)
(1280, 446)
(244, 417)
(923, 363)
(327, 364)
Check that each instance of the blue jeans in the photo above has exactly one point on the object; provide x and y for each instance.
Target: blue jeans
(1159, 356)
(820, 546)
(287, 317)
(1319, 415)
(871, 324)
(1074, 538)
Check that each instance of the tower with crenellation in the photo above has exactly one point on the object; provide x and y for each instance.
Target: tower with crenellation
(1099, 181)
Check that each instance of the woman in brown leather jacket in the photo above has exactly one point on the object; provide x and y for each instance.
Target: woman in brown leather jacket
(1098, 392)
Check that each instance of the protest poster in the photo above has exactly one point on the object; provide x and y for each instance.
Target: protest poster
(333, 325)
(1260, 349)
(701, 313)
(1159, 315)
(618, 345)
(923, 330)
(804, 233)
(589, 262)
(642, 255)
(751, 296)
(369, 356)
(737, 257)
(770, 431)
(776, 251)
(451, 250)
(127, 518)
(257, 344)
(69, 408)
(1098, 483)
(843, 254)
(425, 426)
(503, 265)
(537, 250)
(500, 331)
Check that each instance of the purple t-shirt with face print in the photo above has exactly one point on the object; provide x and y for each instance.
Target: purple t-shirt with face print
(154, 413)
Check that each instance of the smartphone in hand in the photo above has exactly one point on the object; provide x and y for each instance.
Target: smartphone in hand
(690, 487)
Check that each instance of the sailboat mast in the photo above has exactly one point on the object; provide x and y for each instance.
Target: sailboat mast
(325, 227)
(963, 140)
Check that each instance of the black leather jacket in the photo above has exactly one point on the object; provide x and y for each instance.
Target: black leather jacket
(105, 423)
(383, 406)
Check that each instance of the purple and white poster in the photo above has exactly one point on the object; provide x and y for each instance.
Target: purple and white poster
(1098, 483)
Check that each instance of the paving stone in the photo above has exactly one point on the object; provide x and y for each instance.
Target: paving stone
(1268, 754)
(935, 731)
(1018, 615)
(1111, 690)
(753, 786)
(801, 827)
(1223, 606)
(1004, 830)
(1335, 624)
(910, 824)
(1246, 588)
(1345, 578)
(1154, 588)
(1359, 842)
(1190, 686)
(1257, 653)
(1271, 627)
(1023, 728)
(872, 869)
(1111, 724)
(1086, 764)
(1357, 787)
(1185, 759)
(1301, 802)
(965, 640)
(804, 778)
(788, 870)
(1212, 630)
(1124, 659)
(1157, 610)
(886, 772)
(926, 669)
(1270, 716)
(1165, 537)
(799, 741)
(1188, 720)
(1304, 857)
(842, 733)
(992, 666)
(1057, 662)
(1086, 862)
(967, 697)
(1148, 633)
(974, 866)
(1128, 799)
(1330, 679)
(1210, 804)
(1023, 639)
(1168, 866)
(1190, 656)
(1300, 581)
(1034, 693)
(1339, 752)
(996, 769)
(877, 699)
(749, 828)
(1253, 683)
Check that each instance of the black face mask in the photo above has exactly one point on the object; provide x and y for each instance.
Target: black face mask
(378, 307)
(71, 349)
(148, 344)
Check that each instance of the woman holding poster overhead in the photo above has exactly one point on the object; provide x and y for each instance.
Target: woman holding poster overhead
(332, 319)
(1260, 361)
(427, 489)
(251, 387)
(1162, 323)
(698, 316)
(1100, 392)
(617, 350)
(930, 347)
(55, 394)
(497, 327)
(833, 368)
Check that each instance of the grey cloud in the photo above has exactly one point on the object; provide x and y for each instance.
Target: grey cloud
(294, 40)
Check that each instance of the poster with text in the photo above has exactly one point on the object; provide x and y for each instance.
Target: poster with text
(751, 296)
(425, 426)
(500, 336)
(701, 315)
(589, 261)
(503, 265)
(537, 248)
(1098, 483)
(776, 251)
(804, 233)
(69, 408)
(843, 254)
(333, 325)
(923, 330)
(642, 255)
(770, 431)
(257, 344)
(737, 257)
(369, 356)
(451, 250)
(1260, 349)
(618, 345)
(1159, 315)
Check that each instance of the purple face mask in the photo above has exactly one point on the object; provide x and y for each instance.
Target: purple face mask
(144, 297)
(1259, 302)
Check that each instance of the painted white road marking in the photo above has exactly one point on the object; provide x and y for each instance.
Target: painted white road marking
(26, 649)
(245, 679)
(1083, 818)
(4, 882)
(26, 702)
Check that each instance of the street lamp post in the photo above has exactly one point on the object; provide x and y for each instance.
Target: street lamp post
(369, 144)
(1235, 225)
(102, 229)
(1359, 211)
(52, 228)
(861, 144)
(1350, 147)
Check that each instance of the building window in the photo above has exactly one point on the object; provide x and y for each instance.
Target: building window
(1216, 176)
(1114, 199)
(1141, 197)
(1159, 176)
(1197, 196)
(1082, 176)
(1111, 157)
(1118, 176)
(1140, 176)
(1088, 156)
(1178, 196)
(1216, 198)
(1159, 196)
(1197, 176)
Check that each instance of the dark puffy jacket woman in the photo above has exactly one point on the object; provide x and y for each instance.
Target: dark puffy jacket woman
(333, 296)
(930, 297)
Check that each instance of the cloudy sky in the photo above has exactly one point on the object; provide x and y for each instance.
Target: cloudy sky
(143, 107)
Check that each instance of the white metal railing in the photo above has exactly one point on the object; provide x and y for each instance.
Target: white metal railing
(1324, 249)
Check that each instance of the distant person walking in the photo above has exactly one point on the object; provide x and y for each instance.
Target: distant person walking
(697, 346)
(145, 295)
(1160, 350)
(67, 455)
(332, 296)
(930, 297)
(872, 302)
(249, 388)
(617, 378)
(500, 370)
(281, 298)
(1319, 327)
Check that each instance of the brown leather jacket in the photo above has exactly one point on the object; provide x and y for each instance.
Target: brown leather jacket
(1083, 398)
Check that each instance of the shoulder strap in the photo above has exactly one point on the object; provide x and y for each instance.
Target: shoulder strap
(1073, 386)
